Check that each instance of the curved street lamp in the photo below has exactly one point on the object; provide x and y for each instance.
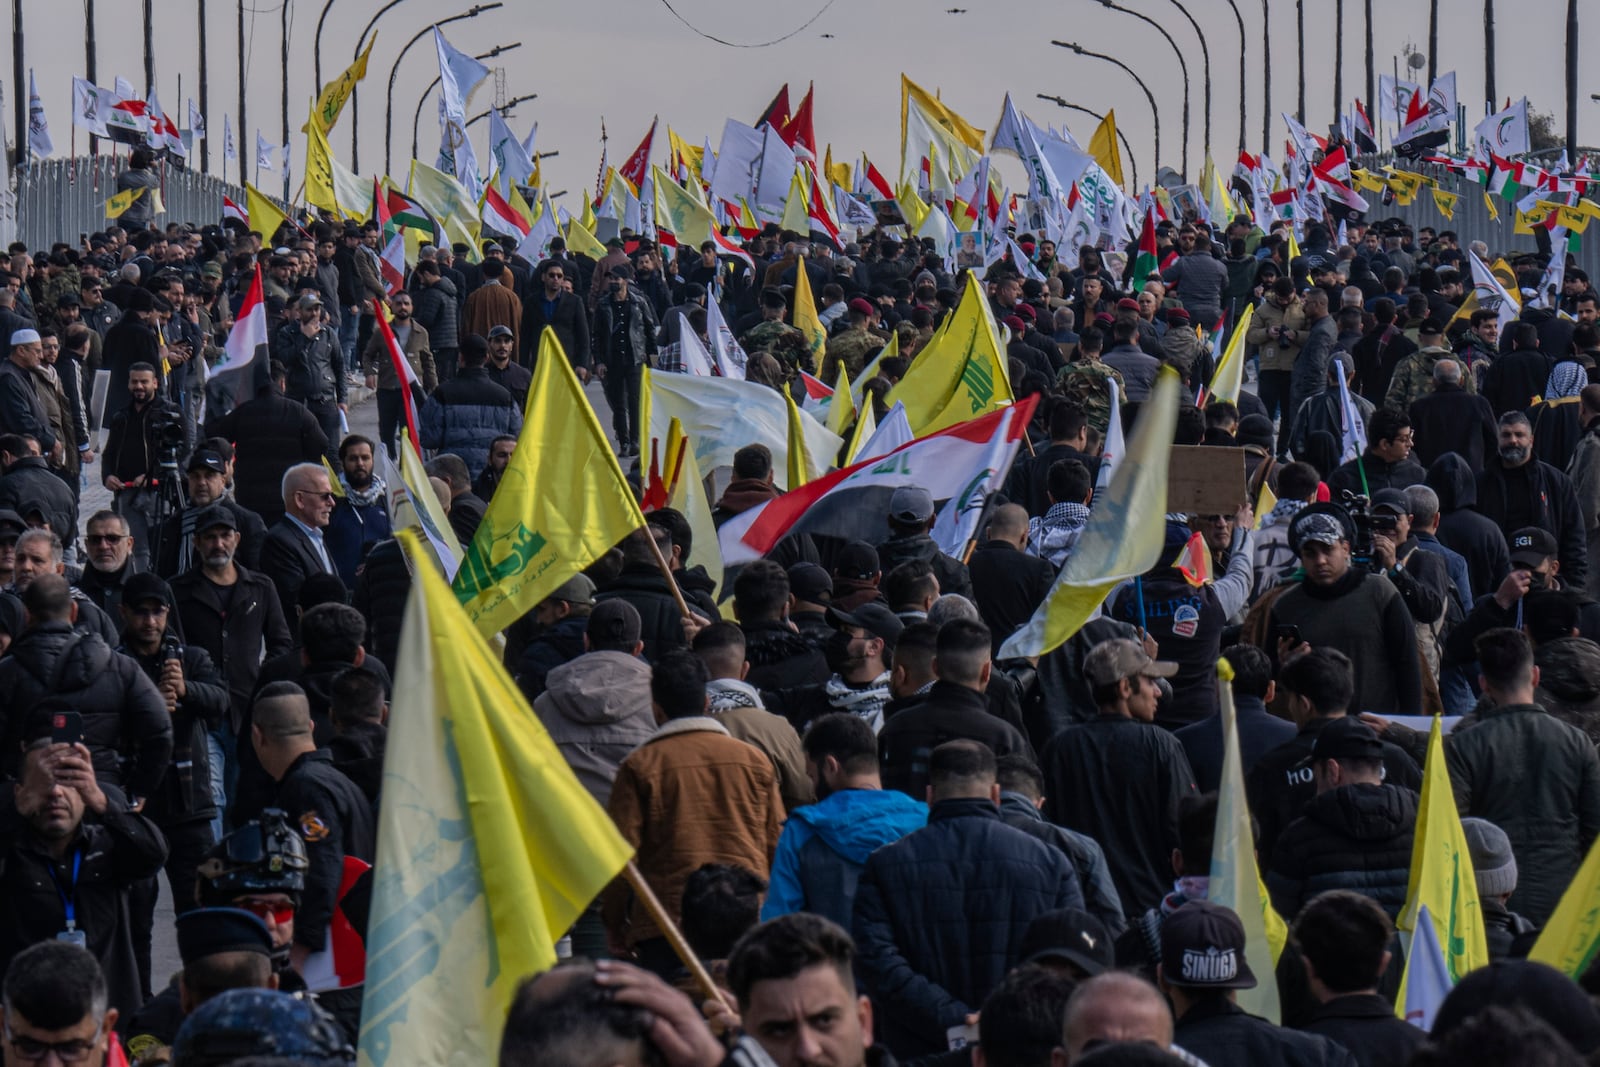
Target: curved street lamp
(1182, 64)
(1240, 20)
(513, 102)
(394, 72)
(316, 46)
(1155, 112)
(416, 120)
(355, 90)
(1266, 76)
(1098, 117)
(1205, 63)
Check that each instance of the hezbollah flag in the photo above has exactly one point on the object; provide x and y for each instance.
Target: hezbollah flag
(562, 502)
(1572, 936)
(806, 319)
(116, 205)
(1228, 379)
(961, 373)
(336, 92)
(1125, 533)
(1442, 911)
(488, 848)
(265, 215)
(799, 454)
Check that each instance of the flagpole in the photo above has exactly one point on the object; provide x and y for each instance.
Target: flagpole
(669, 929)
(672, 584)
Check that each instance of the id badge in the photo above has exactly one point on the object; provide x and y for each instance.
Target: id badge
(74, 937)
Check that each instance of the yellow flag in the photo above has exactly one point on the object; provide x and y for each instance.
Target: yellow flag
(488, 847)
(1442, 881)
(1294, 246)
(414, 505)
(562, 502)
(333, 478)
(842, 408)
(1572, 935)
(795, 216)
(911, 205)
(265, 215)
(1446, 203)
(1494, 212)
(687, 493)
(449, 202)
(1266, 500)
(1103, 147)
(581, 241)
(870, 371)
(961, 373)
(586, 217)
(805, 317)
(1235, 882)
(798, 451)
(925, 120)
(519, 203)
(336, 92)
(1575, 219)
(914, 95)
(1125, 532)
(1228, 378)
(677, 210)
(1527, 220)
(866, 426)
(121, 202)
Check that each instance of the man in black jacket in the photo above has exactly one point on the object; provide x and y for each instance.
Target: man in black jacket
(1386, 463)
(1462, 529)
(1515, 490)
(1344, 938)
(1517, 376)
(1089, 762)
(270, 433)
(921, 957)
(131, 461)
(1450, 419)
(911, 516)
(1259, 730)
(1008, 583)
(561, 310)
(642, 584)
(780, 657)
(309, 350)
(294, 549)
(29, 487)
(623, 339)
(207, 479)
(21, 410)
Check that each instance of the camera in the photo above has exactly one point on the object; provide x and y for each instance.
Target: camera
(1366, 523)
(168, 433)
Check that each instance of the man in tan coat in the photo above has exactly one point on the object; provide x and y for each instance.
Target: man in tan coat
(492, 303)
(689, 796)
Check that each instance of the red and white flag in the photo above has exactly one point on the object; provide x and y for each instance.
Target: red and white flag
(960, 466)
(230, 210)
(402, 368)
(819, 215)
(877, 181)
(637, 166)
(499, 216)
(249, 333)
(392, 263)
(727, 247)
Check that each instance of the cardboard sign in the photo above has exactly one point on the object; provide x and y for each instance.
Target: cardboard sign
(1205, 480)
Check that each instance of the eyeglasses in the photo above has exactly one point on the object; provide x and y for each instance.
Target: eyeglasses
(281, 914)
(330, 497)
(34, 1051)
(106, 539)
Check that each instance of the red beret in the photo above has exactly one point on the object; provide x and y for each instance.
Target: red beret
(1127, 303)
(863, 305)
(1026, 311)
(1013, 324)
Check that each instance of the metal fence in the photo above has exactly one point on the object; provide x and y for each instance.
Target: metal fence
(1472, 221)
(57, 199)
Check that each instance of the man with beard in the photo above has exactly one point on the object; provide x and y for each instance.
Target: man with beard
(361, 514)
(500, 450)
(207, 482)
(514, 377)
(382, 375)
(132, 340)
(111, 561)
(1515, 490)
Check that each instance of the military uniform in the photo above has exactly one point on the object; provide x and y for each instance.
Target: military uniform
(764, 335)
(850, 348)
(1085, 381)
(1413, 377)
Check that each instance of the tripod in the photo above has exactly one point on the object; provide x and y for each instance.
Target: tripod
(169, 500)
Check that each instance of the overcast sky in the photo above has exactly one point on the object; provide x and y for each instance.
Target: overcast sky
(627, 60)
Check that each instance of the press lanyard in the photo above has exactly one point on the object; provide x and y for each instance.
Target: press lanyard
(68, 899)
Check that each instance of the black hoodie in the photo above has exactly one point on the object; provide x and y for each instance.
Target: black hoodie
(1462, 529)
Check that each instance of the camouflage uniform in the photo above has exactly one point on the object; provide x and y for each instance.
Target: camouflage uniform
(1413, 377)
(764, 335)
(1085, 382)
(51, 290)
(850, 348)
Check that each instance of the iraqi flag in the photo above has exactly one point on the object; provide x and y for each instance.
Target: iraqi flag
(249, 333)
(230, 210)
(402, 369)
(960, 466)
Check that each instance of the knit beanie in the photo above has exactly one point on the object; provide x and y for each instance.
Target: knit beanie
(1492, 860)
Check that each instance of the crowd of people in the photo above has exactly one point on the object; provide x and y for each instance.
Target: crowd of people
(887, 843)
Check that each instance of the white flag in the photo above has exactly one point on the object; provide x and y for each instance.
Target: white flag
(39, 143)
(1394, 96)
(1505, 133)
(1442, 100)
(197, 121)
(459, 74)
(506, 153)
(724, 349)
(230, 151)
(264, 150)
(1427, 974)
(89, 106)
(1353, 435)
(284, 153)
(528, 142)
(1492, 295)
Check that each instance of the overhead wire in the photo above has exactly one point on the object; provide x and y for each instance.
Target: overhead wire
(752, 44)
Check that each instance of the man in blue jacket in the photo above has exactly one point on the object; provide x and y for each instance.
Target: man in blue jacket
(940, 915)
(824, 845)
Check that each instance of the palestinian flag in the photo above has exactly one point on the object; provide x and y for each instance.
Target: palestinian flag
(407, 214)
(1144, 264)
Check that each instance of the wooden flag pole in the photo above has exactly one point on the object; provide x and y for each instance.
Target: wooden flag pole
(669, 929)
(672, 583)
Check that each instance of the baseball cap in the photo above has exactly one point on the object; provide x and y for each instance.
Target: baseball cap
(811, 583)
(209, 931)
(1072, 935)
(215, 515)
(308, 301)
(614, 622)
(911, 504)
(1391, 500)
(575, 590)
(1202, 947)
(145, 586)
(1346, 738)
(873, 617)
(1111, 661)
(501, 330)
(206, 459)
(68, 299)
(1532, 545)
(857, 561)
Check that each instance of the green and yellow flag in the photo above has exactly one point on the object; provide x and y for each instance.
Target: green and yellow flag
(961, 373)
(122, 202)
(562, 502)
(1571, 938)
(265, 215)
(331, 101)
(1125, 533)
(1446, 203)
(581, 239)
(678, 211)
(805, 317)
(686, 491)
(448, 201)
(488, 847)
(331, 185)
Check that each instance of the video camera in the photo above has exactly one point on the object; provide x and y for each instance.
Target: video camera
(1366, 523)
(169, 434)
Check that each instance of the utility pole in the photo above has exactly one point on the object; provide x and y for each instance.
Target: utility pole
(19, 87)
(88, 59)
(205, 99)
(149, 49)
(246, 146)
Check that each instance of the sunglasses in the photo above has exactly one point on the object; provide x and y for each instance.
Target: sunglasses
(280, 914)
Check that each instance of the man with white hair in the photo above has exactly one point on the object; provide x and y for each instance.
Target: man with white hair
(294, 549)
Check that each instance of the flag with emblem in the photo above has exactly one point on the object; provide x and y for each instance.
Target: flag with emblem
(806, 319)
(1571, 937)
(488, 846)
(562, 502)
(961, 373)
(121, 202)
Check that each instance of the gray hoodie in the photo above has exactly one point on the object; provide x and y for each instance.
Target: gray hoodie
(597, 709)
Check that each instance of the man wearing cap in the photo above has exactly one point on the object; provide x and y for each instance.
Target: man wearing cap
(465, 414)
(1356, 834)
(221, 949)
(911, 516)
(207, 479)
(493, 303)
(810, 593)
(859, 651)
(562, 619)
(309, 350)
(34, 491)
(1413, 376)
(765, 334)
(933, 948)
(381, 375)
(1517, 490)
(21, 410)
(1087, 763)
(505, 371)
(850, 347)
(1203, 966)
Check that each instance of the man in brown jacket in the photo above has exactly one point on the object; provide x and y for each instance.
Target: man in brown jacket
(689, 796)
(492, 303)
(379, 368)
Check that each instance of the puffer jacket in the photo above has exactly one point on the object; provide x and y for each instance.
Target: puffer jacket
(939, 917)
(1355, 837)
(1088, 858)
(1538, 779)
(824, 846)
(382, 584)
(434, 308)
(597, 710)
(270, 434)
(561, 643)
(125, 723)
(1462, 528)
(1569, 682)
(466, 414)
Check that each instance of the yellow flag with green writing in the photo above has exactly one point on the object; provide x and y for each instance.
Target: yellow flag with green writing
(1571, 937)
(561, 504)
(798, 451)
(116, 205)
(961, 373)
(332, 99)
(488, 847)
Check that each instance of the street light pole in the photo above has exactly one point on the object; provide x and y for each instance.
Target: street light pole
(203, 145)
(355, 90)
(1240, 20)
(1182, 65)
(316, 47)
(394, 72)
(89, 60)
(1372, 84)
(19, 93)
(1155, 112)
(513, 102)
(1205, 63)
(1300, 38)
(416, 119)
(1488, 52)
(1338, 58)
(247, 147)
(1098, 117)
(1266, 77)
